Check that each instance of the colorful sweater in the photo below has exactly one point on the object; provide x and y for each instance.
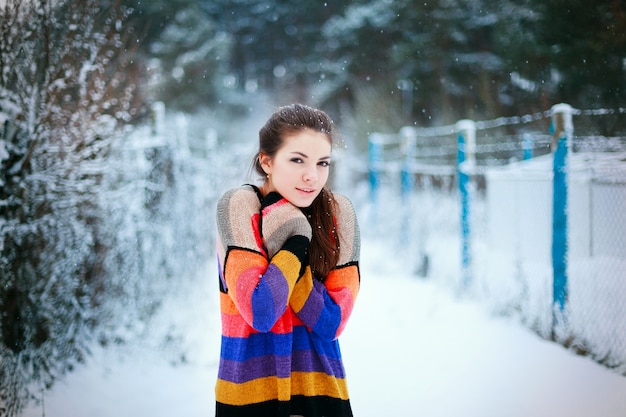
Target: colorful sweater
(280, 354)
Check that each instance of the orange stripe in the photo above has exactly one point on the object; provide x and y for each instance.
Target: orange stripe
(310, 384)
(226, 304)
(347, 277)
(243, 269)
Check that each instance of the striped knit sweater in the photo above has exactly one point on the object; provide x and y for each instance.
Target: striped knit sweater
(280, 354)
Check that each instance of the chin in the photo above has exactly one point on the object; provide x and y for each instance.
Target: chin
(302, 204)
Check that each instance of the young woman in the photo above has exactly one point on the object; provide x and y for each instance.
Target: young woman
(288, 254)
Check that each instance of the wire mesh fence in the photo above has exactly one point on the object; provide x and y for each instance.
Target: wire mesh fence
(508, 234)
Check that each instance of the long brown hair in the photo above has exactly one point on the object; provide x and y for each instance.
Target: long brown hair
(324, 248)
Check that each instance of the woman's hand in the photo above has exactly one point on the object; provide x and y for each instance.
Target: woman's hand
(281, 220)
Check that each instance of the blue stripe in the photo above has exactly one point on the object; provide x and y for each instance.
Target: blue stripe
(264, 344)
(269, 299)
(329, 319)
(305, 340)
(263, 307)
(257, 344)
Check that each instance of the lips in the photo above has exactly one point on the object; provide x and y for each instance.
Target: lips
(303, 197)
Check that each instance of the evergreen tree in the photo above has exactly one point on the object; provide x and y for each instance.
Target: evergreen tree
(584, 51)
(441, 51)
(187, 59)
(276, 44)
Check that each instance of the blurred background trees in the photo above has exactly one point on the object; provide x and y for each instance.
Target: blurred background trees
(432, 62)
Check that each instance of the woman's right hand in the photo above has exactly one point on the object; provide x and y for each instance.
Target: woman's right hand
(281, 220)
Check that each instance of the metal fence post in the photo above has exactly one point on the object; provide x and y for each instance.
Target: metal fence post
(562, 130)
(375, 153)
(407, 147)
(527, 146)
(465, 167)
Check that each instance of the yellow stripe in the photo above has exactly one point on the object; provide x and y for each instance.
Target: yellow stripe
(310, 384)
(289, 264)
(251, 392)
(301, 291)
(318, 383)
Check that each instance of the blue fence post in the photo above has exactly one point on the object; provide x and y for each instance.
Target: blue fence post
(465, 167)
(375, 153)
(562, 130)
(527, 146)
(407, 147)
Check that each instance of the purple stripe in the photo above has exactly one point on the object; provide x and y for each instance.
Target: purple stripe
(278, 285)
(312, 308)
(281, 366)
(254, 368)
(308, 361)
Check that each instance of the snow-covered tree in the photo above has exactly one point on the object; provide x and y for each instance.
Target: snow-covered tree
(66, 81)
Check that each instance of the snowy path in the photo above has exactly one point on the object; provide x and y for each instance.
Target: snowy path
(427, 355)
(410, 350)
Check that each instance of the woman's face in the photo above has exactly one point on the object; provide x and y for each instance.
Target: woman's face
(300, 168)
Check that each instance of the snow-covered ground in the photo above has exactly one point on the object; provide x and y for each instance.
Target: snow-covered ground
(411, 349)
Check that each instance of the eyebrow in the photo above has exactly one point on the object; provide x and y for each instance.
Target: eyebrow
(306, 156)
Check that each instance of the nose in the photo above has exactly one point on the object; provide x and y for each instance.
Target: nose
(310, 174)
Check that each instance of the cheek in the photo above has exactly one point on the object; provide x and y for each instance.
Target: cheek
(324, 174)
(284, 173)
(282, 180)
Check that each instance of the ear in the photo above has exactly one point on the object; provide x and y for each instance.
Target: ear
(266, 162)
